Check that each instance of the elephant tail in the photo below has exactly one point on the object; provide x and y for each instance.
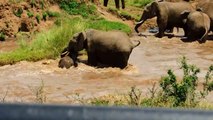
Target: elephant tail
(203, 38)
(137, 43)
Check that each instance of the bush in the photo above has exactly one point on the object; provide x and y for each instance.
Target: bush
(108, 25)
(184, 93)
(30, 14)
(140, 3)
(2, 36)
(75, 8)
(18, 12)
(52, 14)
(38, 18)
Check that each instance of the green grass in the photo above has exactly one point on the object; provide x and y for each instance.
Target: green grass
(49, 44)
(139, 3)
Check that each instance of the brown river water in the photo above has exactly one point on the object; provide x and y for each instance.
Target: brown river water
(147, 64)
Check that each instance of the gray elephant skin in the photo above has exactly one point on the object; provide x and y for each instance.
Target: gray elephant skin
(168, 15)
(207, 7)
(198, 25)
(66, 62)
(111, 48)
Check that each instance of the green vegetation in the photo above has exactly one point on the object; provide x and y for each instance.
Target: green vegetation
(52, 14)
(38, 18)
(18, 12)
(30, 14)
(49, 44)
(2, 36)
(184, 93)
(75, 8)
(140, 3)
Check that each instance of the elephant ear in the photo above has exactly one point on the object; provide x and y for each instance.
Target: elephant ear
(155, 8)
(80, 40)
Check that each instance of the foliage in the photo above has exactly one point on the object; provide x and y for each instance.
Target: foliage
(52, 14)
(134, 96)
(2, 36)
(30, 14)
(44, 16)
(18, 12)
(183, 93)
(38, 18)
(75, 8)
(108, 25)
(140, 3)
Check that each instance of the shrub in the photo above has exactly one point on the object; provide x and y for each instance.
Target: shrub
(2, 36)
(30, 14)
(18, 12)
(38, 18)
(140, 3)
(184, 93)
(52, 14)
(75, 8)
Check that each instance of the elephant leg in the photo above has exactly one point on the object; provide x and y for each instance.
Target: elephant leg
(162, 28)
(105, 3)
(185, 29)
(92, 60)
(123, 4)
(117, 4)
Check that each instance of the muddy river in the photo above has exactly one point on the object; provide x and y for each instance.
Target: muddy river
(147, 64)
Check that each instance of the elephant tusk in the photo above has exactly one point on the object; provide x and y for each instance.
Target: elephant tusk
(65, 53)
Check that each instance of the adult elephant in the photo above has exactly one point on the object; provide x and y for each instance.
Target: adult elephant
(111, 48)
(117, 3)
(198, 25)
(207, 7)
(168, 15)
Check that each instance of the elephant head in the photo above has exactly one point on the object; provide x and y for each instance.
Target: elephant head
(150, 11)
(76, 44)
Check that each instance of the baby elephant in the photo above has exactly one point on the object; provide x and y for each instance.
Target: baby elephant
(66, 62)
(198, 25)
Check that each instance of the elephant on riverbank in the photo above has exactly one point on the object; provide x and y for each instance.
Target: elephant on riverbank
(111, 48)
(168, 15)
(198, 24)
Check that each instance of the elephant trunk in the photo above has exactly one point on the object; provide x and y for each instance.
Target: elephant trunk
(138, 25)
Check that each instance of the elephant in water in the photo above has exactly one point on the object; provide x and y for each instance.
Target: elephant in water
(66, 62)
(168, 15)
(198, 24)
(111, 48)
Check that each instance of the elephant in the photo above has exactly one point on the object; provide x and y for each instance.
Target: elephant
(207, 7)
(66, 62)
(168, 15)
(111, 48)
(198, 24)
(117, 3)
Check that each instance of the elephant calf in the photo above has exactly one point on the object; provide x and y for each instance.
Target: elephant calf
(66, 62)
(111, 48)
(198, 24)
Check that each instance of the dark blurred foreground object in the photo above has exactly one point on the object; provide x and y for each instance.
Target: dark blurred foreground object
(67, 112)
(117, 3)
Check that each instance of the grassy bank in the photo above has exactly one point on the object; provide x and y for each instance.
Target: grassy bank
(49, 43)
